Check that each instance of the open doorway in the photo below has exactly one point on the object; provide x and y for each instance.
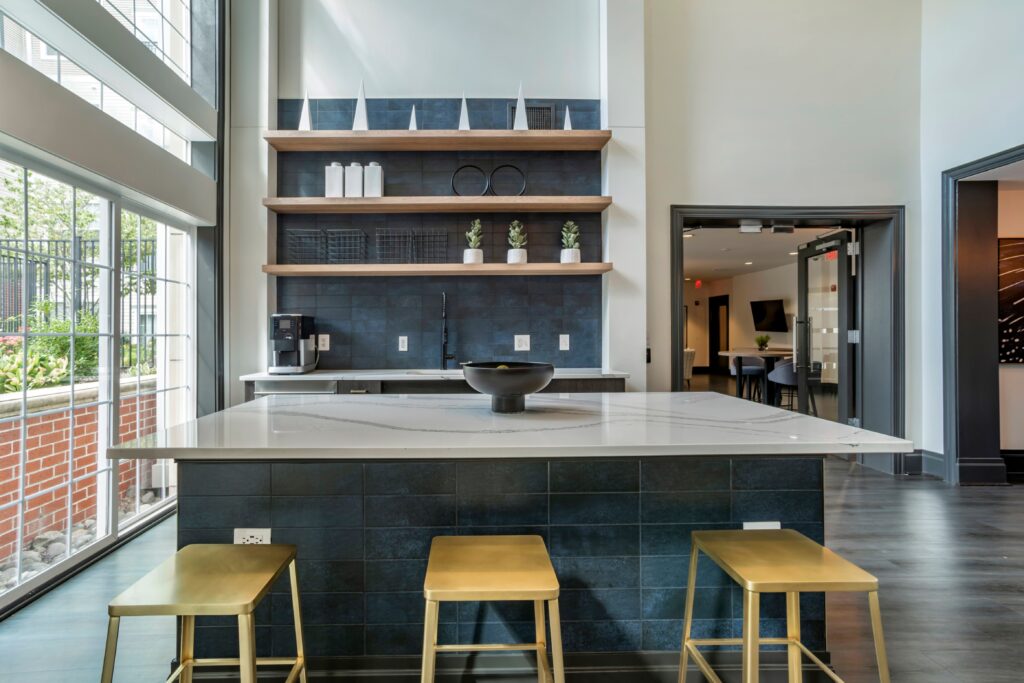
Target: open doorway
(983, 321)
(815, 311)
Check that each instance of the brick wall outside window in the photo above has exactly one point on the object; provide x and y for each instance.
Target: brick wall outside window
(48, 444)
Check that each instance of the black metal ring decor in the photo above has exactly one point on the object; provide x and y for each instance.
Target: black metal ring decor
(490, 180)
(483, 174)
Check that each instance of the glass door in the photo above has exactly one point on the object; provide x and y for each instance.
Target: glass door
(824, 363)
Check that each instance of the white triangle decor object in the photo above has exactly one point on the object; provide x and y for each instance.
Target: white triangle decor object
(412, 119)
(568, 120)
(359, 122)
(519, 123)
(304, 118)
(464, 114)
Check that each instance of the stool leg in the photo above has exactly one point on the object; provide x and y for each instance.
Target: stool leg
(556, 641)
(796, 674)
(300, 652)
(541, 636)
(876, 628)
(187, 650)
(429, 642)
(247, 648)
(691, 589)
(110, 653)
(751, 635)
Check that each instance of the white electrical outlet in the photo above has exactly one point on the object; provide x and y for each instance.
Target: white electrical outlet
(403, 343)
(762, 525)
(323, 342)
(252, 536)
(563, 342)
(522, 342)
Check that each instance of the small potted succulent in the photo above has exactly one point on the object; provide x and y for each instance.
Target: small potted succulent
(570, 243)
(473, 253)
(516, 240)
(762, 342)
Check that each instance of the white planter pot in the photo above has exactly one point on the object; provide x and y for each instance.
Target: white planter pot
(570, 256)
(473, 256)
(517, 256)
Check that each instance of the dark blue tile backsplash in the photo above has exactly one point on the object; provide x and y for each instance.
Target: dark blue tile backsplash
(431, 113)
(365, 317)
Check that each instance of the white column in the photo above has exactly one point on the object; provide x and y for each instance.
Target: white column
(625, 222)
(251, 229)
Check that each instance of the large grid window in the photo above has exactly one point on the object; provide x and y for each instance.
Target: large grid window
(95, 346)
(42, 57)
(164, 26)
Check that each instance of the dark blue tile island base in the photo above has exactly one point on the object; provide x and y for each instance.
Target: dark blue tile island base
(618, 531)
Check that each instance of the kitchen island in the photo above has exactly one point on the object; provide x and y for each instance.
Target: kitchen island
(614, 483)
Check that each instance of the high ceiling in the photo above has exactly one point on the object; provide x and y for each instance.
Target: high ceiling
(712, 253)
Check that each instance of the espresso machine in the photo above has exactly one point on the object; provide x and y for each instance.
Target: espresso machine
(293, 344)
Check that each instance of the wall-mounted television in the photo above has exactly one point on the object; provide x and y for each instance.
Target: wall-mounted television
(769, 315)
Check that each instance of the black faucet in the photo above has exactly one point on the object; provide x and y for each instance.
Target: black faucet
(445, 356)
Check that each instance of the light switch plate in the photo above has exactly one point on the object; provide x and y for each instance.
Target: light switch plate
(762, 525)
(323, 342)
(563, 342)
(252, 536)
(403, 343)
(522, 342)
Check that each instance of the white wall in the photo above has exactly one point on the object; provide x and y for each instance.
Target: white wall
(440, 48)
(697, 315)
(793, 102)
(1011, 377)
(252, 85)
(972, 105)
(774, 283)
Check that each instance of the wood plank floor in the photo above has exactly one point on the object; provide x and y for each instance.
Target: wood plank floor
(950, 560)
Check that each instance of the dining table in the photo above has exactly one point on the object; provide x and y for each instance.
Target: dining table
(770, 357)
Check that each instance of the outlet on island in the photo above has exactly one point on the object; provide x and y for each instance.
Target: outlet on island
(403, 343)
(521, 342)
(252, 536)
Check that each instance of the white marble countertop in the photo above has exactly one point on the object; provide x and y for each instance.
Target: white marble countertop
(406, 375)
(451, 426)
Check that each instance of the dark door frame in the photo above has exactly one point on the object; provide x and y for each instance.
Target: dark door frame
(895, 214)
(954, 359)
(714, 367)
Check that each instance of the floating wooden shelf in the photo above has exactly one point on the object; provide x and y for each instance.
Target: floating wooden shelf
(448, 269)
(487, 204)
(437, 140)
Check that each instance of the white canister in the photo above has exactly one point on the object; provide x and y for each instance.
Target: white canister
(334, 180)
(517, 256)
(354, 180)
(373, 180)
(570, 256)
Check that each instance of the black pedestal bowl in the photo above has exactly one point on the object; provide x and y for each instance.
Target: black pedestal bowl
(508, 382)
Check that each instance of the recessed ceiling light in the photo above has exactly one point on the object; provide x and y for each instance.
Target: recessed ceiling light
(749, 263)
(792, 253)
(687, 235)
(687, 279)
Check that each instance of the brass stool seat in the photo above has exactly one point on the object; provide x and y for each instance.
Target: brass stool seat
(211, 580)
(775, 561)
(498, 568)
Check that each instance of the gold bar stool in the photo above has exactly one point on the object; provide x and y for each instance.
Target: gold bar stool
(775, 561)
(211, 580)
(498, 568)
